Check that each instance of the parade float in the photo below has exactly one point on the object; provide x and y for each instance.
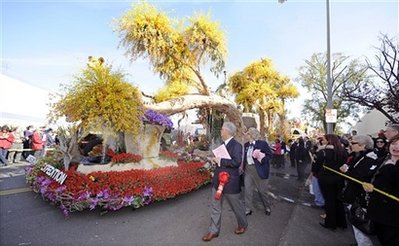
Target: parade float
(125, 168)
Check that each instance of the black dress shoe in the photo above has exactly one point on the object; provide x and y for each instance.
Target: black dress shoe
(248, 212)
(268, 212)
(327, 227)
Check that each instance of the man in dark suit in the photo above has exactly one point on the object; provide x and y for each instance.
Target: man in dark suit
(232, 189)
(257, 168)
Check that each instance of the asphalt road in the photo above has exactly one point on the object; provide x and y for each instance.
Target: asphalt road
(26, 219)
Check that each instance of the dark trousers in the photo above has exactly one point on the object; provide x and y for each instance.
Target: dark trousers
(331, 186)
(300, 167)
(278, 161)
(292, 160)
(387, 235)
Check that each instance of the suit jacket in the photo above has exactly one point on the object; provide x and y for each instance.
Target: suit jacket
(262, 168)
(231, 166)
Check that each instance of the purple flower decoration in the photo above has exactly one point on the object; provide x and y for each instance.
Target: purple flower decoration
(93, 203)
(103, 194)
(154, 117)
(128, 200)
(147, 191)
(60, 189)
(84, 196)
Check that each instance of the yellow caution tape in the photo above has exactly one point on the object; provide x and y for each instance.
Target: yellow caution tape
(362, 183)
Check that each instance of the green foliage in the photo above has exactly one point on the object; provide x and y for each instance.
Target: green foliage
(175, 48)
(100, 99)
(313, 77)
(53, 158)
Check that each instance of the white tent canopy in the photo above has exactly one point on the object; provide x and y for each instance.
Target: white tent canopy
(22, 104)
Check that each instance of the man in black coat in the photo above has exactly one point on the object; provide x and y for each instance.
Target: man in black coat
(232, 189)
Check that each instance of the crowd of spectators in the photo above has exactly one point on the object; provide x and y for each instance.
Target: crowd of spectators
(17, 144)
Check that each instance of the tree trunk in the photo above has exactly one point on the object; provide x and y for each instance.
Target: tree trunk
(270, 121)
(147, 142)
(283, 126)
(213, 101)
(262, 127)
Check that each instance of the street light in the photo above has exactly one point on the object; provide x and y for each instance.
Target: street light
(329, 80)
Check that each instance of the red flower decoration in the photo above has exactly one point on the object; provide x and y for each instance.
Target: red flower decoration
(126, 158)
(80, 191)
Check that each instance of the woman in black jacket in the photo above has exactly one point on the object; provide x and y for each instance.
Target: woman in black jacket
(331, 184)
(362, 165)
(383, 210)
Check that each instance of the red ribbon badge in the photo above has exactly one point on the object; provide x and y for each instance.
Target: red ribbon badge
(223, 179)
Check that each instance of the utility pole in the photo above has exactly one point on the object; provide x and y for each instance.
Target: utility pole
(329, 79)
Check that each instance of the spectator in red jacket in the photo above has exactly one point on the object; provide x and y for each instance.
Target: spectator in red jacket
(37, 142)
(6, 140)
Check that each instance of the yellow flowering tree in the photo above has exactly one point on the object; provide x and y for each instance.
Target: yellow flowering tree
(100, 100)
(177, 50)
(260, 87)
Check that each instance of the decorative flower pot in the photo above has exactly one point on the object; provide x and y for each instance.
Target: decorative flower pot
(147, 142)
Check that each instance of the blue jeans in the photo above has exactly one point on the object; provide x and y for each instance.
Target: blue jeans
(318, 197)
(3, 154)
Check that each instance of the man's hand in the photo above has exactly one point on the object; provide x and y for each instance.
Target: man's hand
(216, 161)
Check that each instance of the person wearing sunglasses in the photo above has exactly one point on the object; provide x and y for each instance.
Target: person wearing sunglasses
(362, 165)
(380, 147)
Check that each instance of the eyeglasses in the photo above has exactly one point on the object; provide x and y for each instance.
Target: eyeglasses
(379, 141)
(353, 143)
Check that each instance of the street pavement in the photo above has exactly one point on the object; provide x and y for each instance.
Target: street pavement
(26, 219)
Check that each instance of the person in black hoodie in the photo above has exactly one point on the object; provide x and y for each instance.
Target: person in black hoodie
(362, 165)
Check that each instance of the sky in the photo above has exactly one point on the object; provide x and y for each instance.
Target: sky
(44, 43)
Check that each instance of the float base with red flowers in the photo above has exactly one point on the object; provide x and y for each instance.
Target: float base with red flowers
(72, 190)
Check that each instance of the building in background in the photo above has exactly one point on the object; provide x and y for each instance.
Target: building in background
(371, 123)
(22, 104)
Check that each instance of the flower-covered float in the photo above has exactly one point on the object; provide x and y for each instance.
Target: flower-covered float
(114, 190)
(136, 175)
